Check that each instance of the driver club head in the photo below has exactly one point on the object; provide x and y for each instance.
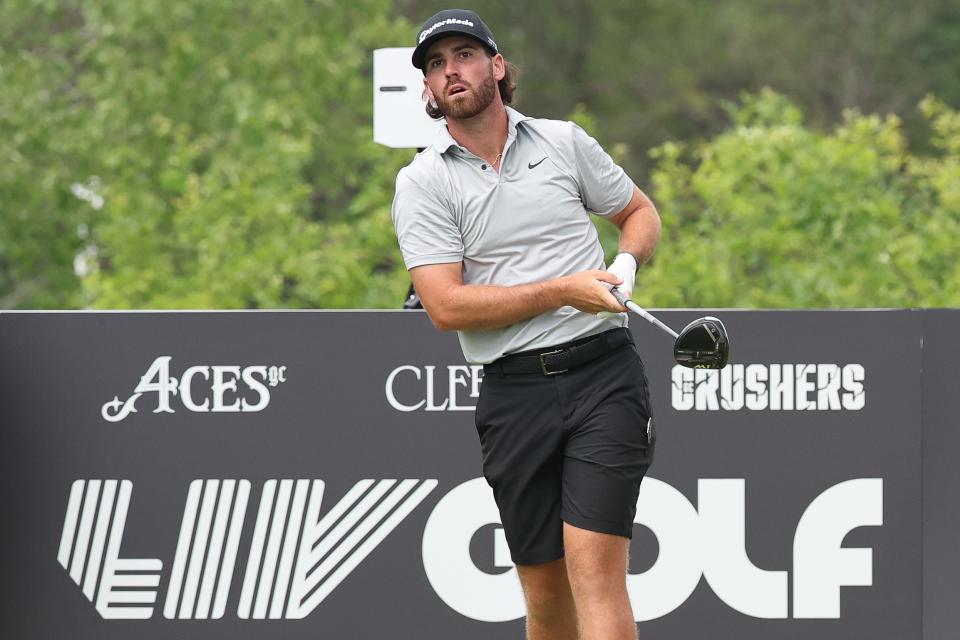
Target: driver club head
(703, 344)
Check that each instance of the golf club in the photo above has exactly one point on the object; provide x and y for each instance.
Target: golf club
(703, 344)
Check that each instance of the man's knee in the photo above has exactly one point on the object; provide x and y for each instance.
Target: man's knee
(595, 560)
(546, 588)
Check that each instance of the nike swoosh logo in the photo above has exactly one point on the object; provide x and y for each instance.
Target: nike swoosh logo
(532, 165)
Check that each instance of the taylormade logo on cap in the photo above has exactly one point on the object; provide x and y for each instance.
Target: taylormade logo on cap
(451, 22)
(434, 27)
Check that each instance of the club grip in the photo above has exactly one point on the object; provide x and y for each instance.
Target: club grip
(620, 296)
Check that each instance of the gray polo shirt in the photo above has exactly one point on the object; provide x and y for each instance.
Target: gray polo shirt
(527, 223)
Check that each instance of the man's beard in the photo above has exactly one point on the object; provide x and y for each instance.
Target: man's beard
(471, 104)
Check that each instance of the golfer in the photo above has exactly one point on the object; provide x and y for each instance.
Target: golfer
(492, 220)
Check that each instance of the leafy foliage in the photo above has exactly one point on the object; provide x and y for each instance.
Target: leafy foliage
(191, 154)
(231, 148)
(658, 70)
(773, 214)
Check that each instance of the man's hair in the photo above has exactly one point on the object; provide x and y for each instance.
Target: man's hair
(507, 85)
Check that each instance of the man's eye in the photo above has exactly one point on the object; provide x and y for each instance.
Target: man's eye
(435, 63)
(464, 54)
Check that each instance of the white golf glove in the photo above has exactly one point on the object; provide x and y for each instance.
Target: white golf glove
(624, 266)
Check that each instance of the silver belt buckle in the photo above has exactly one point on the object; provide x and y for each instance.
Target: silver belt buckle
(543, 365)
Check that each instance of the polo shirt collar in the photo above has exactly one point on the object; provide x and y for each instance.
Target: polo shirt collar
(443, 140)
(514, 118)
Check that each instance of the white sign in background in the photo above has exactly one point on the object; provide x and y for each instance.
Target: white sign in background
(399, 119)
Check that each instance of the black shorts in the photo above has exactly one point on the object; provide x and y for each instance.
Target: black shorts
(569, 448)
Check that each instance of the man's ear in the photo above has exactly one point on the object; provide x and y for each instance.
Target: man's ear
(499, 67)
(427, 95)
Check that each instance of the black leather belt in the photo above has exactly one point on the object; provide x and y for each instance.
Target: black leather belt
(553, 360)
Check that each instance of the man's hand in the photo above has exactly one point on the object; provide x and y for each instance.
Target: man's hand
(589, 291)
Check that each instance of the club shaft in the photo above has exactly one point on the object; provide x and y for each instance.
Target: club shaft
(640, 311)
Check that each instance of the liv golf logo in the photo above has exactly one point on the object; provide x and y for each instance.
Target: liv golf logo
(296, 559)
(221, 393)
(298, 556)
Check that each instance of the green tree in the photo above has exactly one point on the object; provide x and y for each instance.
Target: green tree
(188, 154)
(773, 214)
(653, 71)
(225, 152)
(40, 161)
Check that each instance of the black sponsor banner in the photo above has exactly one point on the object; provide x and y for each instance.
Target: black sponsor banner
(235, 475)
(941, 473)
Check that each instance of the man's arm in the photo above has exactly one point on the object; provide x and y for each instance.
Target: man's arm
(453, 305)
(639, 225)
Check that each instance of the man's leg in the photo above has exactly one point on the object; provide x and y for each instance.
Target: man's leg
(551, 614)
(608, 452)
(597, 570)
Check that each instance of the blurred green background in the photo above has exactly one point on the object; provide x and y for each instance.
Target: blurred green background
(202, 154)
